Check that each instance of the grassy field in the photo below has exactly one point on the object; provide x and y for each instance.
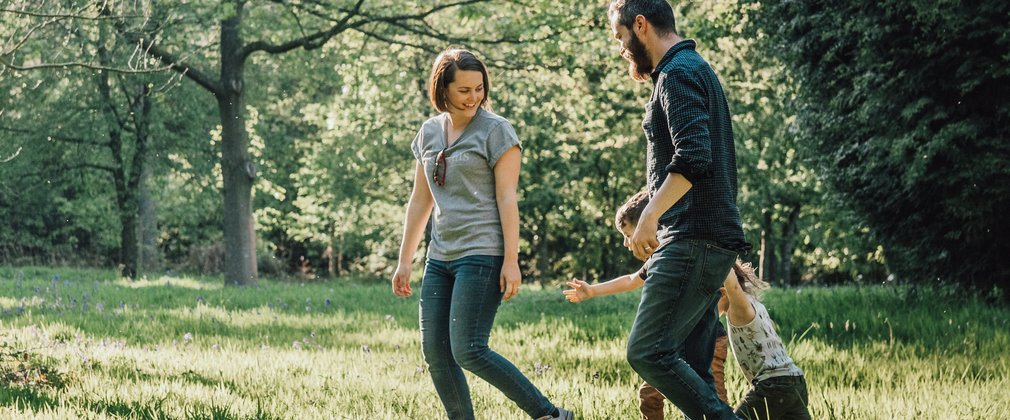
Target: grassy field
(85, 344)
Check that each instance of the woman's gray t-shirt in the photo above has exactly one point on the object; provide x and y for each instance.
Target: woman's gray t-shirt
(465, 218)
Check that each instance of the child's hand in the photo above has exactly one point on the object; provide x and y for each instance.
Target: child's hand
(579, 292)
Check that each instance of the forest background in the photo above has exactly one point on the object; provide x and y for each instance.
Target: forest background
(270, 137)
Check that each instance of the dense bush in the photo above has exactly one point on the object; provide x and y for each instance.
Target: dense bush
(904, 107)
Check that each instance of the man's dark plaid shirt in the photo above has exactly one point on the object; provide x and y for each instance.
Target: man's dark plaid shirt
(689, 131)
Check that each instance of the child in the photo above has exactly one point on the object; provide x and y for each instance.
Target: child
(650, 399)
(779, 390)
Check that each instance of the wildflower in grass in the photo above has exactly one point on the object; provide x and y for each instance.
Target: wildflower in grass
(187, 337)
(540, 369)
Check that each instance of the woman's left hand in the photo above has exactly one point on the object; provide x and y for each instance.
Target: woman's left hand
(510, 280)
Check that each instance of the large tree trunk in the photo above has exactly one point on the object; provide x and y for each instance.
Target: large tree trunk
(766, 263)
(238, 171)
(787, 244)
(126, 199)
(141, 107)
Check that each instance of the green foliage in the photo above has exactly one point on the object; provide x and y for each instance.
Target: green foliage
(329, 129)
(903, 110)
(184, 347)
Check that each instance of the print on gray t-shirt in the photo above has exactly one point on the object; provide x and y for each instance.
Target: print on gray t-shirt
(465, 218)
(758, 348)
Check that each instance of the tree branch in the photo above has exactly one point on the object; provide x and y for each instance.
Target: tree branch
(12, 156)
(59, 137)
(86, 165)
(70, 15)
(312, 41)
(175, 63)
(395, 42)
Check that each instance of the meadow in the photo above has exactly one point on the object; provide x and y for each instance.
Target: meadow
(86, 344)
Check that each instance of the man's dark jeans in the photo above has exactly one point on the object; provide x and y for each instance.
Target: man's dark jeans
(672, 340)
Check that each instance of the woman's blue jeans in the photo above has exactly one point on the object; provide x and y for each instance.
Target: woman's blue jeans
(459, 301)
(672, 340)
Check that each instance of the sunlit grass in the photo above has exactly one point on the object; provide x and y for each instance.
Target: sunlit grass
(85, 344)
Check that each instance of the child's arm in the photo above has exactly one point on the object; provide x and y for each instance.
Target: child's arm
(581, 290)
(740, 311)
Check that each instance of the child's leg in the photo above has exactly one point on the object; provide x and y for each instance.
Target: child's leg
(650, 402)
(718, 366)
(782, 397)
(798, 407)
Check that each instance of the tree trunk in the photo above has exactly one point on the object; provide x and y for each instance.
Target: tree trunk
(141, 105)
(150, 257)
(788, 244)
(238, 171)
(766, 263)
(126, 199)
(543, 251)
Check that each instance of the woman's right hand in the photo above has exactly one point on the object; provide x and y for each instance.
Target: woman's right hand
(579, 291)
(401, 281)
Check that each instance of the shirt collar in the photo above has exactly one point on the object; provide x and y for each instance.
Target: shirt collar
(676, 48)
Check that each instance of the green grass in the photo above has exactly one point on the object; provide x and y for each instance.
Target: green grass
(84, 344)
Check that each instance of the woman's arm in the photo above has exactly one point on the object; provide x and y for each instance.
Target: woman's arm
(506, 176)
(418, 211)
(581, 290)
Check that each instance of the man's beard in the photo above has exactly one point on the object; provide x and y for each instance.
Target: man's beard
(640, 65)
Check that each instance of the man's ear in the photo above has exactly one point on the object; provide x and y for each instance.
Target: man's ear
(640, 26)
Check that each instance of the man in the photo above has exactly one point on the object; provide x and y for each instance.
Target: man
(691, 230)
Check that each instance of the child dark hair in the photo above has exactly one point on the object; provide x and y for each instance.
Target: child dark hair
(631, 211)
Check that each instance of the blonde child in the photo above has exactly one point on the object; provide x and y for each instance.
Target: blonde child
(779, 390)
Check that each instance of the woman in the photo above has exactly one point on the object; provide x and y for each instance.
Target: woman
(467, 171)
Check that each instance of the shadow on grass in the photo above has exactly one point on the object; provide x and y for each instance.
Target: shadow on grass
(25, 398)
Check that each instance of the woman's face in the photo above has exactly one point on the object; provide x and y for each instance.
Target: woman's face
(465, 94)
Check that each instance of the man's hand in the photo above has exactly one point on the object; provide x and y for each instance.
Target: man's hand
(643, 241)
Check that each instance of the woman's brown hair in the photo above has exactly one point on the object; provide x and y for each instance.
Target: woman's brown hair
(444, 72)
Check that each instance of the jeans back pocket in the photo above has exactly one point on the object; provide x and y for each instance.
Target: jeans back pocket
(715, 265)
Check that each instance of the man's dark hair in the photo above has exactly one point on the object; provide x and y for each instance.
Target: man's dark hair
(659, 13)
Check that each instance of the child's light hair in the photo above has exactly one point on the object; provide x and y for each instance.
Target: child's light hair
(749, 280)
